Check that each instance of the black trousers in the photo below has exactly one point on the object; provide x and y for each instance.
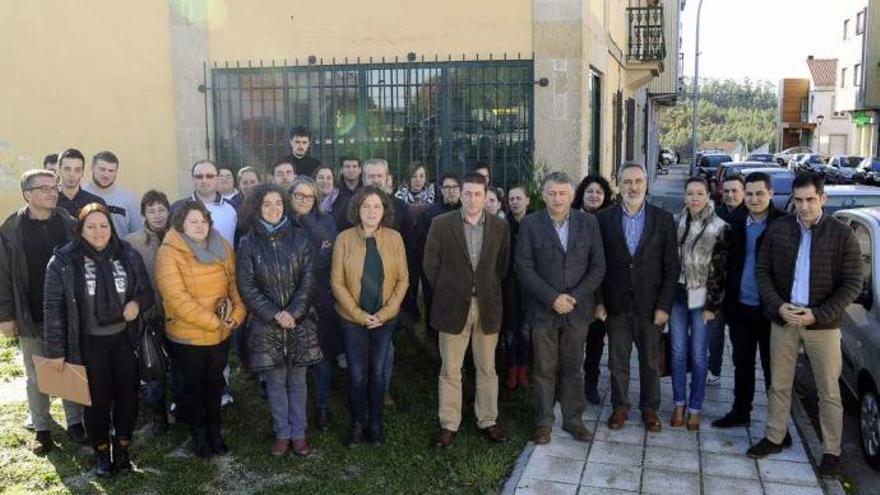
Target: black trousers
(201, 368)
(624, 330)
(112, 370)
(749, 330)
(595, 346)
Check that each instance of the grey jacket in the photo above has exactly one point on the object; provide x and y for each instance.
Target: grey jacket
(546, 269)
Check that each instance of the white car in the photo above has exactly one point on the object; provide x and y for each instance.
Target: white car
(841, 168)
(860, 332)
(785, 156)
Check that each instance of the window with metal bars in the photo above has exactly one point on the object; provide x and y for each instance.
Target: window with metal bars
(448, 115)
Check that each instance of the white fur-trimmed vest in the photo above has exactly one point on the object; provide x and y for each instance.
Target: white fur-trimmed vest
(696, 241)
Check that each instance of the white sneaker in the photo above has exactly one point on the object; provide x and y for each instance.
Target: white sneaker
(713, 379)
(225, 399)
(342, 362)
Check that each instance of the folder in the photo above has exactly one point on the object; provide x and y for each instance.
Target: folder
(70, 383)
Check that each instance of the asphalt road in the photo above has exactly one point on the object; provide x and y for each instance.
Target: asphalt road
(667, 192)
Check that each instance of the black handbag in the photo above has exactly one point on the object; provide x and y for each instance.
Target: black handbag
(152, 355)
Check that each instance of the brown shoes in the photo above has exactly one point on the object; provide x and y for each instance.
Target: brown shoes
(677, 419)
(280, 447)
(495, 433)
(542, 435)
(580, 433)
(444, 438)
(693, 422)
(651, 421)
(618, 418)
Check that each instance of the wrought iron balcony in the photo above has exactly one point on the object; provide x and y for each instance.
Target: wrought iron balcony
(647, 42)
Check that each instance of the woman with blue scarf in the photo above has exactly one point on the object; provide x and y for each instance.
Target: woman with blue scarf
(276, 280)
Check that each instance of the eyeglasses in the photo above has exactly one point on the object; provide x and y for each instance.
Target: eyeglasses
(44, 189)
(303, 197)
(204, 176)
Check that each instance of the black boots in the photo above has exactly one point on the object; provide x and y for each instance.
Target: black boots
(215, 441)
(200, 442)
(103, 462)
(121, 459)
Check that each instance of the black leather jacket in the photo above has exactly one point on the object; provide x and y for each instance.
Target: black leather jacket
(64, 292)
(275, 272)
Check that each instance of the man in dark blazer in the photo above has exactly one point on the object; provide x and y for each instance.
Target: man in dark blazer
(466, 258)
(642, 268)
(560, 264)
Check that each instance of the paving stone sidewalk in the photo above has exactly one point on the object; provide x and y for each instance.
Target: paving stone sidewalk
(672, 462)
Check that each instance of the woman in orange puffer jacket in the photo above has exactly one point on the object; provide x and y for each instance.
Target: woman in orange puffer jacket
(195, 273)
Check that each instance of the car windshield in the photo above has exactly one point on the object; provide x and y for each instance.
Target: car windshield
(761, 158)
(715, 160)
(846, 201)
(817, 159)
(872, 164)
(851, 161)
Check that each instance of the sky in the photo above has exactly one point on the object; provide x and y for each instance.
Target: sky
(761, 39)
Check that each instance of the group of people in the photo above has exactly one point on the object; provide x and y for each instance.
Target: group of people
(307, 270)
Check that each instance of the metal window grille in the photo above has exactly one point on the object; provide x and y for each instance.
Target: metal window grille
(647, 40)
(446, 114)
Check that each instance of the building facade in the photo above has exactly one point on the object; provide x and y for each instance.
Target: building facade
(858, 81)
(520, 84)
(793, 107)
(833, 131)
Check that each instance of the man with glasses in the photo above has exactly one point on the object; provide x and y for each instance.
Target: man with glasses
(450, 188)
(124, 206)
(71, 165)
(205, 177)
(27, 240)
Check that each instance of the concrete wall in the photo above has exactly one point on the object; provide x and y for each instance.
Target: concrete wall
(93, 75)
(831, 126)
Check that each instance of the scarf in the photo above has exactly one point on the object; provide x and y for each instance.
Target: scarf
(696, 241)
(214, 250)
(328, 200)
(425, 196)
(108, 308)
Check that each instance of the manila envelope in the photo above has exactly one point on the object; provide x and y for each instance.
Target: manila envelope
(71, 383)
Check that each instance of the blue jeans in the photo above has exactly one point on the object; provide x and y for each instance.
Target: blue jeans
(716, 343)
(389, 365)
(366, 352)
(689, 338)
(322, 372)
(286, 389)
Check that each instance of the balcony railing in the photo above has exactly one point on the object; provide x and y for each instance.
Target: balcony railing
(647, 42)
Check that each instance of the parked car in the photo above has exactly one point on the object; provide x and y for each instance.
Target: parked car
(780, 179)
(813, 162)
(868, 172)
(860, 332)
(731, 169)
(785, 156)
(761, 157)
(708, 164)
(846, 197)
(668, 157)
(841, 168)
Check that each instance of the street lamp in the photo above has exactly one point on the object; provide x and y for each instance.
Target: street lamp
(819, 119)
(696, 99)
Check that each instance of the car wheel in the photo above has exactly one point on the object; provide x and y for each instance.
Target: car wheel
(869, 427)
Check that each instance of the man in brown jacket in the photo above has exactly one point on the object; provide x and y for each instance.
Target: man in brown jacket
(466, 258)
(809, 270)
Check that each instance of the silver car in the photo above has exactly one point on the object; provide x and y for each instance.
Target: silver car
(860, 332)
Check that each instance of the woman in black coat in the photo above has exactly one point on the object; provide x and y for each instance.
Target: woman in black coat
(321, 229)
(592, 195)
(96, 287)
(276, 279)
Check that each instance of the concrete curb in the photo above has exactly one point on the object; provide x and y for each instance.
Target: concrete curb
(813, 445)
(512, 482)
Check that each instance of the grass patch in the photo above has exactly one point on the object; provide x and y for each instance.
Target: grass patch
(10, 362)
(407, 463)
